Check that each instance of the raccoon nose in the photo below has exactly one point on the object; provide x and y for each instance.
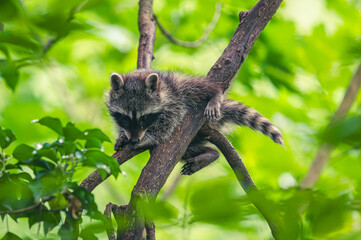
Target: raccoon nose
(134, 141)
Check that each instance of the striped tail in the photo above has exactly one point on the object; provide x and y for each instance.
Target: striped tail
(240, 114)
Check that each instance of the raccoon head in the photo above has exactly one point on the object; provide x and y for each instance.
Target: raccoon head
(134, 102)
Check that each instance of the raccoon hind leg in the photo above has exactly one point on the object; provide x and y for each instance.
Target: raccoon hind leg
(198, 157)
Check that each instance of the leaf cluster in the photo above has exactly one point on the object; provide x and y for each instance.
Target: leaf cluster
(37, 182)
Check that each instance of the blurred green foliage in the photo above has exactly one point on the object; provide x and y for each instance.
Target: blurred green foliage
(55, 59)
(33, 177)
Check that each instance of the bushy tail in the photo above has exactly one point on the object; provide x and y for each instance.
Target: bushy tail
(240, 114)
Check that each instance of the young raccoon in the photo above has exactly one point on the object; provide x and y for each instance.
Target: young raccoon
(147, 105)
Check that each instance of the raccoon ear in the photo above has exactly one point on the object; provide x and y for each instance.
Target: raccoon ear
(116, 81)
(152, 81)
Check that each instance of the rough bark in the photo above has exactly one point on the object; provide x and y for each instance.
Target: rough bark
(146, 26)
(251, 24)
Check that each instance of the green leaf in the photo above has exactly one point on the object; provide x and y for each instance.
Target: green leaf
(15, 193)
(87, 234)
(224, 211)
(6, 138)
(329, 215)
(11, 236)
(33, 163)
(70, 229)
(3, 48)
(93, 143)
(49, 153)
(47, 184)
(347, 130)
(19, 39)
(23, 152)
(9, 73)
(102, 161)
(51, 220)
(52, 123)
(87, 200)
(9, 9)
(96, 133)
(72, 133)
(58, 202)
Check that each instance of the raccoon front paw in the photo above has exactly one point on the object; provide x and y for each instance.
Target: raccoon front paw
(120, 142)
(213, 111)
(189, 167)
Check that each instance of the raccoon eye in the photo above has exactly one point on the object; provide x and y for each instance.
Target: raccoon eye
(147, 120)
(121, 119)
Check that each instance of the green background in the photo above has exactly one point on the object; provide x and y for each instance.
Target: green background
(296, 75)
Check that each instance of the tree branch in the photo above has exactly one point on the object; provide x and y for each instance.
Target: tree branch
(146, 26)
(22, 210)
(108, 222)
(265, 207)
(324, 152)
(199, 42)
(165, 156)
(251, 24)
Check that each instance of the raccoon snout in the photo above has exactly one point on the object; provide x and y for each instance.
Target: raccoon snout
(134, 141)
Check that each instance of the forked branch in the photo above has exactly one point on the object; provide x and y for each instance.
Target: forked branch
(165, 156)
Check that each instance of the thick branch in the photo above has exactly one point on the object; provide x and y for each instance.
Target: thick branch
(249, 28)
(199, 42)
(324, 152)
(161, 163)
(146, 26)
(108, 222)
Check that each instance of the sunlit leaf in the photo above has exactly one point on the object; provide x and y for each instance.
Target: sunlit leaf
(9, 73)
(96, 133)
(52, 123)
(11, 236)
(23, 152)
(6, 137)
(9, 9)
(71, 132)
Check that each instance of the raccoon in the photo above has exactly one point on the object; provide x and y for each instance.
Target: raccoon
(147, 106)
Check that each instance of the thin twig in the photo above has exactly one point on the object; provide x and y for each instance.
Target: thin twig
(200, 41)
(22, 210)
(324, 152)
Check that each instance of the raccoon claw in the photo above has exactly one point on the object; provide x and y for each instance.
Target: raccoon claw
(189, 168)
(120, 142)
(212, 112)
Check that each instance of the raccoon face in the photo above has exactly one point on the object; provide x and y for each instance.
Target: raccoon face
(134, 103)
(135, 128)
